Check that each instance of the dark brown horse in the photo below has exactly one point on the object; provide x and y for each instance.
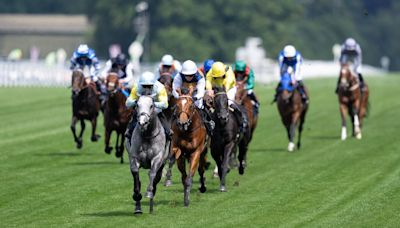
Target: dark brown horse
(292, 109)
(85, 106)
(225, 139)
(116, 116)
(352, 101)
(189, 142)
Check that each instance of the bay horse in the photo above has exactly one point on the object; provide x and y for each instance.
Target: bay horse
(85, 106)
(291, 109)
(116, 116)
(147, 149)
(189, 141)
(225, 138)
(244, 100)
(352, 101)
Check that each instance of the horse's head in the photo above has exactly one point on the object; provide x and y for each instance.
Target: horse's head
(347, 80)
(184, 108)
(166, 80)
(78, 82)
(221, 104)
(112, 83)
(286, 87)
(145, 109)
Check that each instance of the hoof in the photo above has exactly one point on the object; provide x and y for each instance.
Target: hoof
(203, 189)
(207, 165)
(168, 183)
(94, 138)
(358, 136)
(108, 150)
(79, 144)
(138, 211)
(241, 170)
(222, 189)
(149, 195)
(344, 134)
(118, 154)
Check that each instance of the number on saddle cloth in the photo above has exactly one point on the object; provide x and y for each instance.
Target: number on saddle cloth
(286, 83)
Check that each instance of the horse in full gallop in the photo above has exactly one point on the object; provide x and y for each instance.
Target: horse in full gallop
(85, 106)
(147, 149)
(352, 101)
(225, 139)
(189, 141)
(291, 109)
(116, 116)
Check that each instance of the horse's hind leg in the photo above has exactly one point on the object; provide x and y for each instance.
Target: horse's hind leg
(343, 112)
(83, 125)
(201, 169)
(121, 146)
(118, 153)
(94, 137)
(107, 147)
(168, 175)
(302, 120)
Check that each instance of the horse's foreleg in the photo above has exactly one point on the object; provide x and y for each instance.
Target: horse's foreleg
(343, 112)
(73, 129)
(292, 131)
(225, 164)
(170, 161)
(107, 147)
(94, 137)
(118, 152)
(193, 163)
(242, 156)
(121, 146)
(302, 120)
(356, 122)
(137, 196)
(201, 169)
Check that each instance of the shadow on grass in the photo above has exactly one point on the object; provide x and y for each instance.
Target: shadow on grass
(97, 163)
(62, 154)
(110, 214)
(268, 150)
(324, 137)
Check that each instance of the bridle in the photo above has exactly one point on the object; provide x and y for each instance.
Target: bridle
(185, 125)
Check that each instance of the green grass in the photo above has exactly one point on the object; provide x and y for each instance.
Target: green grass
(45, 181)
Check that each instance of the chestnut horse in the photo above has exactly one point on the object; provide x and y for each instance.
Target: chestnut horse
(189, 141)
(85, 106)
(116, 116)
(291, 109)
(352, 101)
(244, 100)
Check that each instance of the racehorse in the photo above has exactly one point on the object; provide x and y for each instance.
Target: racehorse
(189, 141)
(116, 116)
(147, 149)
(291, 108)
(225, 140)
(85, 106)
(244, 100)
(352, 101)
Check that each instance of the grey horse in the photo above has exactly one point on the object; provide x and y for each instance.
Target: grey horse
(147, 149)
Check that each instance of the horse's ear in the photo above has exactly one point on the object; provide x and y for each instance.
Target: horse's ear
(191, 90)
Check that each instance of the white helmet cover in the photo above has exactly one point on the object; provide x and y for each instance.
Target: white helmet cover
(289, 51)
(147, 78)
(167, 60)
(189, 67)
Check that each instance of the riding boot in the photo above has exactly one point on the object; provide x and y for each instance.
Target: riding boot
(256, 103)
(302, 91)
(240, 116)
(362, 85)
(103, 92)
(129, 130)
(208, 122)
(276, 93)
(166, 125)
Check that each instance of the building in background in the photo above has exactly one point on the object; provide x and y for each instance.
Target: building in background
(47, 33)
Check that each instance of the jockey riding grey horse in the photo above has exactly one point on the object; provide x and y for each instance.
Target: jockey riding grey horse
(148, 145)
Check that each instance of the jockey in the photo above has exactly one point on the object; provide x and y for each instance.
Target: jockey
(166, 66)
(191, 77)
(290, 57)
(242, 69)
(124, 70)
(85, 56)
(222, 75)
(351, 52)
(206, 66)
(148, 83)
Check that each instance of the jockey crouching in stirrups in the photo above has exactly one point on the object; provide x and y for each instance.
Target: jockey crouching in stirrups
(191, 77)
(244, 71)
(289, 57)
(222, 76)
(148, 85)
(84, 56)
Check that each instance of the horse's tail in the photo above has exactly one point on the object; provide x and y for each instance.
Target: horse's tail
(368, 108)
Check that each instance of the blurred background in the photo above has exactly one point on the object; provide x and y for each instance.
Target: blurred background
(46, 32)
